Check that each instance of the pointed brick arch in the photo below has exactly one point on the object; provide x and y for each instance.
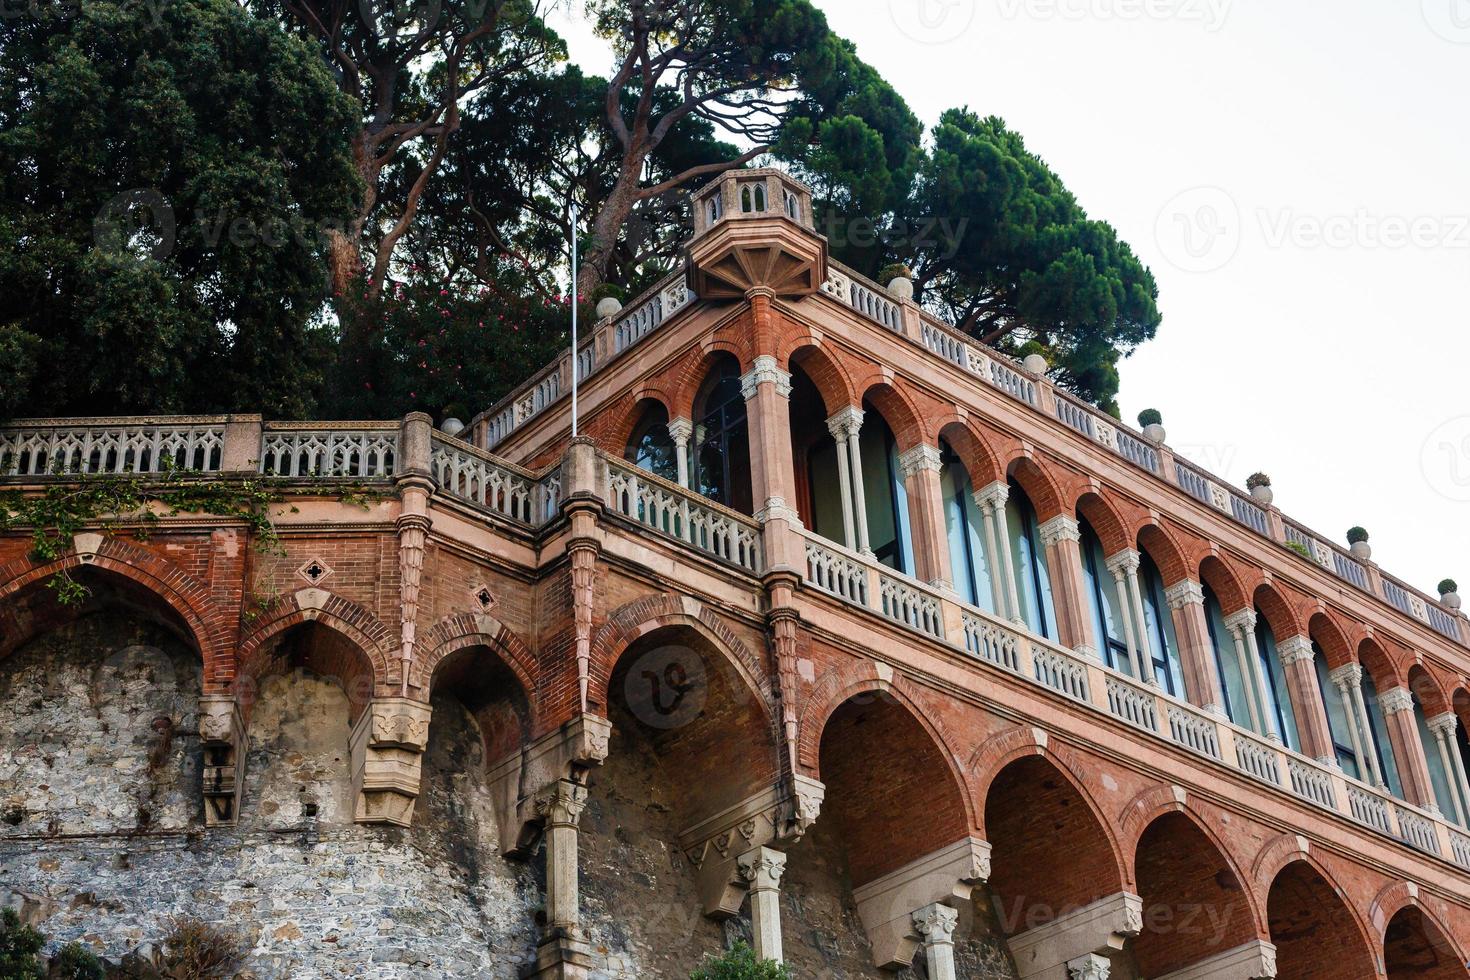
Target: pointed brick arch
(1313, 922)
(1225, 583)
(828, 375)
(1106, 519)
(1432, 954)
(461, 630)
(980, 459)
(186, 597)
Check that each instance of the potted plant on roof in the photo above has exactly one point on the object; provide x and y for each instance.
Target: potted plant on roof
(1259, 484)
(1152, 421)
(1449, 594)
(1358, 543)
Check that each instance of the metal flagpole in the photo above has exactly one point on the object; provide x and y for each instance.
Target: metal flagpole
(575, 372)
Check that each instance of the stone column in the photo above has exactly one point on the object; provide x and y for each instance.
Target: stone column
(1061, 539)
(991, 499)
(1349, 682)
(837, 425)
(762, 869)
(850, 419)
(1201, 677)
(1242, 627)
(562, 807)
(680, 430)
(921, 465)
(767, 391)
(1443, 727)
(935, 926)
(1297, 658)
(1124, 568)
(388, 745)
(1407, 748)
(1089, 967)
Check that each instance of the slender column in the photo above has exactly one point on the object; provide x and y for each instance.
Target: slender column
(1349, 681)
(1140, 621)
(837, 425)
(1237, 637)
(762, 869)
(1297, 659)
(1443, 726)
(1242, 625)
(992, 502)
(852, 420)
(935, 926)
(921, 465)
(1089, 967)
(992, 555)
(680, 430)
(1123, 565)
(562, 807)
(1060, 537)
(1408, 749)
(1201, 677)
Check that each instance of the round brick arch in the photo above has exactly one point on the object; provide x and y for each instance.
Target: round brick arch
(1379, 664)
(461, 631)
(1330, 636)
(185, 596)
(354, 622)
(980, 459)
(1222, 579)
(1093, 505)
(1394, 898)
(1280, 615)
(686, 376)
(1040, 485)
(1431, 693)
(889, 399)
(827, 374)
(1161, 544)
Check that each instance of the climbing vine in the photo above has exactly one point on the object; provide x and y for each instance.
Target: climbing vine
(127, 504)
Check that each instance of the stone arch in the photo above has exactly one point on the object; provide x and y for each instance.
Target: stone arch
(1222, 580)
(1312, 921)
(1414, 939)
(363, 633)
(492, 673)
(186, 597)
(1329, 635)
(1431, 694)
(1160, 544)
(1379, 664)
(1460, 705)
(827, 373)
(1106, 520)
(644, 615)
(980, 460)
(685, 378)
(898, 410)
(642, 403)
(458, 631)
(1278, 612)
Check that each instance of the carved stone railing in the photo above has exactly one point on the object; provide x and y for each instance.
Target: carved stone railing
(677, 513)
(1133, 703)
(1460, 848)
(1311, 782)
(364, 450)
(992, 642)
(1369, 808)
(1417, 830)
(910, 606)
(1193, 730)
(94, 446)
(1060, 671)
(492, 484)
(831, 571)
(1257, 758)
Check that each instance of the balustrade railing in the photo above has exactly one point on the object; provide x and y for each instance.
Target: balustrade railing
(1061, 672)
(912, 607)
(1257, 759)
(991, 642)
(1194, 731)
(1368, 808)
(1133, 703)
(1417, 831)
(462, 471)
(834, 572)
(111, 447)
(1460, 848)
(676, 512)
(1311, 782)
(358, 450)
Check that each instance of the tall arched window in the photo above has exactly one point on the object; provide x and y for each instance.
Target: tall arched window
(1159, 624)
(1339, 715)
(1107, 614)
(964, 524)
(1378, 736)
(1438, 778)
(650, 446)
(1280, 717)
(1232, 684)
(887, 502)
(1033, 584)
(721, 458)
(814, 453)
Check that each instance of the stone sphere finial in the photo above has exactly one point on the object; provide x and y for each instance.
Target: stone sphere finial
(608, 306)
(901, 288)
(451, 426)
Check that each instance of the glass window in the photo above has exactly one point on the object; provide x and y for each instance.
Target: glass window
(883, 492)
(1378, 735)
(651, 447)
(964, 525)
(1282, 718)
(1338, 714)
(1227, 662)
(1102, 591)
(721, 459)
(1437, 776)
(1159, 623)
(1033, 585)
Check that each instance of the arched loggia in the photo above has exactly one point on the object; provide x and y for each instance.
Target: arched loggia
(1416, 948)
(1315, 933)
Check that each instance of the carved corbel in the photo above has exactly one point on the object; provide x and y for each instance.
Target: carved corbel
(222, 735)
(388, 745)
(518, 780)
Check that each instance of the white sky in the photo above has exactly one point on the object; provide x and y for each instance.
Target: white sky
(1296, 173)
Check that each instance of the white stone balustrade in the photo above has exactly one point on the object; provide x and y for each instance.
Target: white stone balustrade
(354, 449)
(678, 513)
(113, 446)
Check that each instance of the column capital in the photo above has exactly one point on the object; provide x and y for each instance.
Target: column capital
(1349, 673)
(936, 923)
(1396, 699)
(1444, 725)
(1185, 592)
(1241, 621)
(1125, 562)
(563, 803)
(1089, 967)
(918, 459)
(846, 421)
(680, 429)
(993, 495)
(763, 369)
(1295, 648)
(1057, 529)
(762, 868)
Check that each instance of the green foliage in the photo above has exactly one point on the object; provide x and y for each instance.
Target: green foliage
(1448, 585)
(739, 963)
(1151, 416)
(76, 962)
(19, 949)
(168, 168)
(1257, 480)
(1300, 549)
(1356, 534)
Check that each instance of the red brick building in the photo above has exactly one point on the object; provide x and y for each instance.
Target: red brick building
(841, 574)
